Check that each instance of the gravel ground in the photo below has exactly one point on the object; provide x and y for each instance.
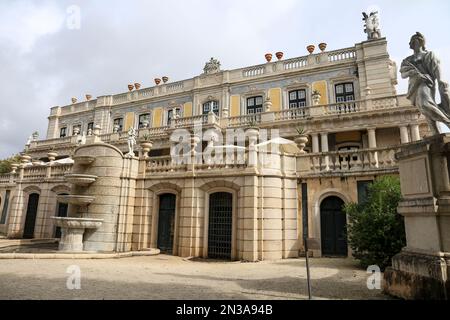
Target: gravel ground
(168, 277)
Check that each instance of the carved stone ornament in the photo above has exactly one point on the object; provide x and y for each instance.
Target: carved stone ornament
(213, 66)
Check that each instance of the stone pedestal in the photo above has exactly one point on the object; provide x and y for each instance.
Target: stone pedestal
(421, 270)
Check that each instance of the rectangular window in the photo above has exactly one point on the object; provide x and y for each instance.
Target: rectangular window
(5, 207)
(90, 126)
(254, 105)
(118, 124)
(170, 115)
(363, 188)
(76, 130)
(344, 92)
(297, 99)
(211, 105)
(62, 132)
(144, 120)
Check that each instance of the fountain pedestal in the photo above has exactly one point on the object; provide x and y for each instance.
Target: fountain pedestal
(72, 230)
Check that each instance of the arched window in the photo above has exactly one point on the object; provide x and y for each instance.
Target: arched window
(211, 106)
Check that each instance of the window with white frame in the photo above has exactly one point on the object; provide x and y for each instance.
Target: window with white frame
(344, 92)
(254, 105)
(76, 129)
(118, 124)
(144, 120)
(211, 106)
(170, 115)
(297, 98)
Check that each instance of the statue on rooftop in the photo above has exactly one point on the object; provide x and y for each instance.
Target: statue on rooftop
(131, 142)
(423, 71)
(372, 26)
(213, 66)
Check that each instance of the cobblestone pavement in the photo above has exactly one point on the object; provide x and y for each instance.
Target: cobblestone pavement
(168, 277)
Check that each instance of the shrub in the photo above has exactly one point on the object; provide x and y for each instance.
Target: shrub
(5, 165)
(376, 231)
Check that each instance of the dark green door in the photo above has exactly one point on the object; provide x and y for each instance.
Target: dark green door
(30, 219)
(166, 222)
(333, 222)
(61, 212)
(220, 225)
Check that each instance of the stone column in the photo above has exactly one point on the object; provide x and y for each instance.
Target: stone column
(315, 142)
(421, 269)
(324, 138)
(404, 137)
(415, 133)
(373, 145)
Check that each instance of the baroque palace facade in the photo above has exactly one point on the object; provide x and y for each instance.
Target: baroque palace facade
(345, 100)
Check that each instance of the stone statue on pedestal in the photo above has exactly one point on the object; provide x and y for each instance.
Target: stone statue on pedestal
(423, 70)
(372, 26)
(131, 142)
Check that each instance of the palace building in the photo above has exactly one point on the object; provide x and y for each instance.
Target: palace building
(107, 199)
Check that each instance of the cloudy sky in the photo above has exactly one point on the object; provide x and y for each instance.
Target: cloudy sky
(46, 59)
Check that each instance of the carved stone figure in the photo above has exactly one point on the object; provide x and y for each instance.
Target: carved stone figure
(131, 141)
(372, 26)
(423, 71)
(213, 66)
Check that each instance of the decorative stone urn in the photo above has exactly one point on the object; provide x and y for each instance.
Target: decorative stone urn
(88, 97)
(130, 87)
(322, 46)
(165, 79)
(311, 48)
(14, 167)
(157, 81)
(137, 85)
(76, 131)
(268, 57)
(74, 100)
(52, 156)
(116, 128)
(301, 142)
(25, 158)
(279, 55)
(146, 146)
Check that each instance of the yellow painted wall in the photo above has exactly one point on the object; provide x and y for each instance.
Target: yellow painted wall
(235, 109)
(157, 117)
(321, 86)
(188, 109)
(129, 120)
(275, 97)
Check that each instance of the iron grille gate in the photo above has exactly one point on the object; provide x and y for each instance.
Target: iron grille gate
(220, 225)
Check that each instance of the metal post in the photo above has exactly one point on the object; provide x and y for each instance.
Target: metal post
(308, 277)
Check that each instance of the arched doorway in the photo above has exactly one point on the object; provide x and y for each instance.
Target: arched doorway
(220, 225)
(61, 211)
(30, 219)
(166, 222)
(333, 224)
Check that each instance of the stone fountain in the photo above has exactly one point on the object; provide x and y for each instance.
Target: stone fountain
(74, 226)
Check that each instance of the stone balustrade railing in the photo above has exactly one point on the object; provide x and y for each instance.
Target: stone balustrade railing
(204, 161)
(4, 178)
(332, 109)
(348, 161)
(35, 172)
(236, 75)
(58, 171)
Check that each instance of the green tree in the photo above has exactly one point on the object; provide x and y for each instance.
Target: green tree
(5, 165)
(376, 231)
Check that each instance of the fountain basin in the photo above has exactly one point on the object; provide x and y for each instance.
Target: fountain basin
(85, 223)
(80, 179)
(72, 230)
(76, 200)
(83, 160)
